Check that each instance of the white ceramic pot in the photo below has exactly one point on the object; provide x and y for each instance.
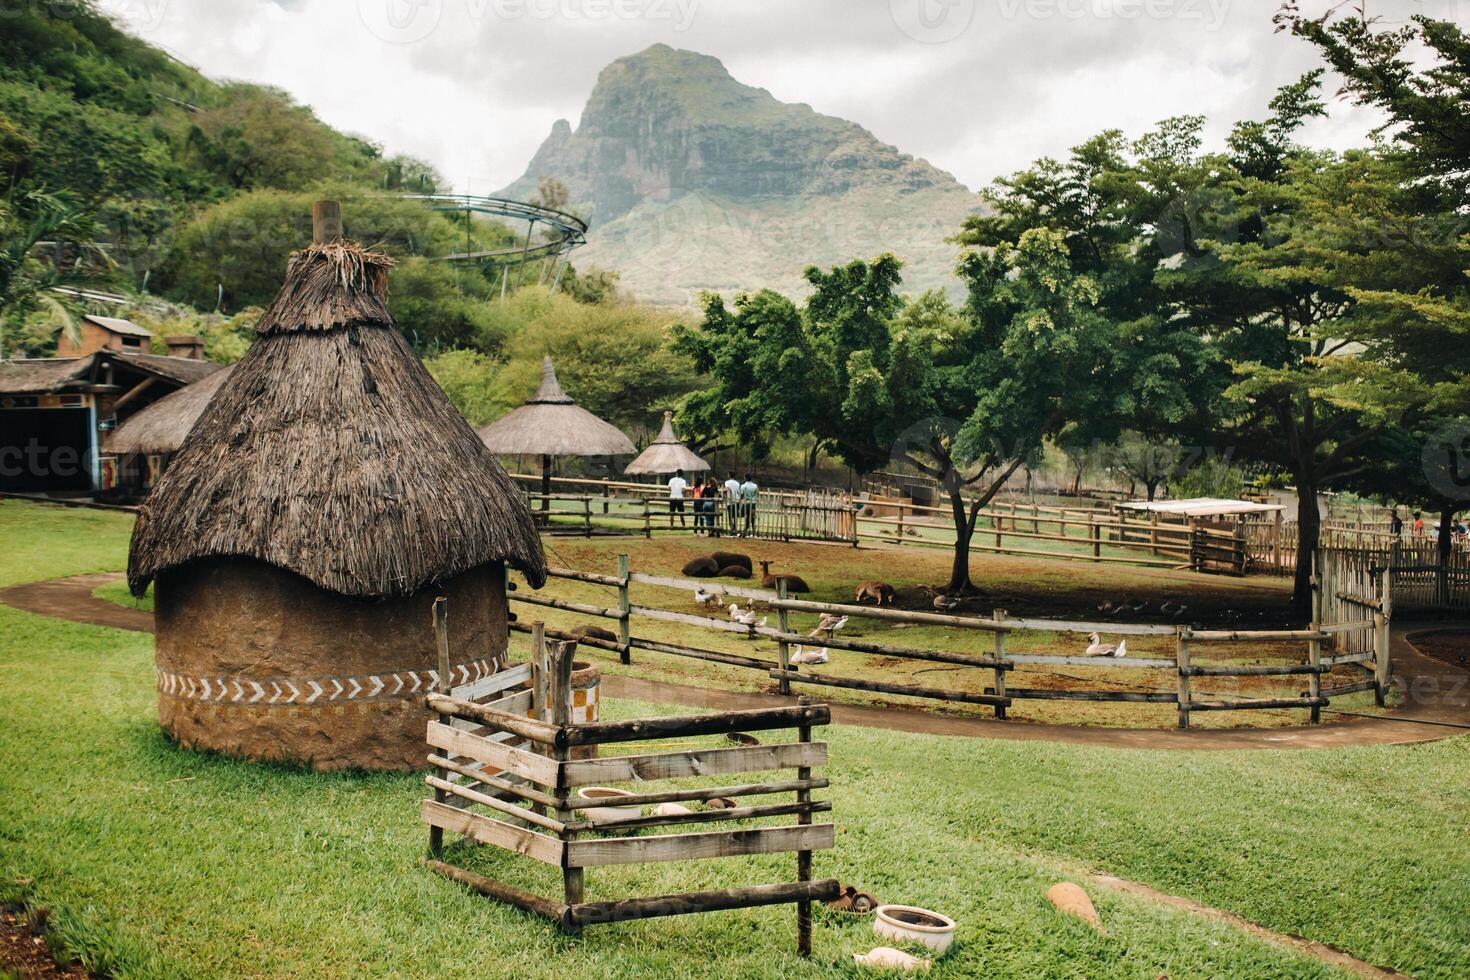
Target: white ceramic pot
(908, 924)
(600, 793)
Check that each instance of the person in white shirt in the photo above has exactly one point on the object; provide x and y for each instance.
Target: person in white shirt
(677, 485)
(732, 502)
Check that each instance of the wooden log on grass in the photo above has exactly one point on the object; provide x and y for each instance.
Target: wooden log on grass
(826, 680)
(1255, 671)
(593, 913)
(689, 726)
(1050, 694)
(498, 890)
(1250, 704)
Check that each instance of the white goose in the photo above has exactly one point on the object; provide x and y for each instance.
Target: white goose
(746, 617)
(829, 624)
(808, 655)
(704, 598)
(1097, 648)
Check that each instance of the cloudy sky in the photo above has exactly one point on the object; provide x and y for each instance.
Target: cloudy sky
(978, 87)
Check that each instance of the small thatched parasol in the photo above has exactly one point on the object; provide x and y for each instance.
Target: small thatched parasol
(551, 424)
(330, 452)
(162, 426)
(666, 454)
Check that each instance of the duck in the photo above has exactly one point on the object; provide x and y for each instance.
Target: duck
(944, 603)
(888, 958)
(746, 617)
(807, 655)
(1096, 648)
(1174, 609)
(704, 598)
(829, 624)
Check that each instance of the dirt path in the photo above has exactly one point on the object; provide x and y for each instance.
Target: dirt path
(1433, 690)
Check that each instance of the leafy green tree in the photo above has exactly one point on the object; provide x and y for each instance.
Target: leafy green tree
(469, 378)
(27, 281)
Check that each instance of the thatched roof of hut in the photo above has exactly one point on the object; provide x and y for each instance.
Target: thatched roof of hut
(666, 454)
(162, 426)
(551, 424)
(330, 452)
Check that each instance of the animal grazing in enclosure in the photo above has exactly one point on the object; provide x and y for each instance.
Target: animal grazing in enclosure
(1097, 648)
(702, 567)
(794, 583)
(881, 593)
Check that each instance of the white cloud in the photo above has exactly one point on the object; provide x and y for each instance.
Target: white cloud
(473, 86)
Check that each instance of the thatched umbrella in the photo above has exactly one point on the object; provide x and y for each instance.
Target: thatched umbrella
(666, 454)
(162, 426)
(326, 495)
(551, 424)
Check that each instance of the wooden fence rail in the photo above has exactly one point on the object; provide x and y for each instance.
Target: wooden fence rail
(1360, 639)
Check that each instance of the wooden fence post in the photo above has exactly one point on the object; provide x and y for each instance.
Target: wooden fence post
(587, 515)
(1382, 674)
(1181, 657)
(1094, 531)
(783, 650)
(625, 605)
(606, 494)
(1000, 672)
(803, 858)
(573, 878)
(647, 520)
(1314, 679)
(441, 686)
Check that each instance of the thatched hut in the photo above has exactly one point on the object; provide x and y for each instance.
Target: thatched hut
(551, 424)
(326, 494)
(144, 445)
(666, 454)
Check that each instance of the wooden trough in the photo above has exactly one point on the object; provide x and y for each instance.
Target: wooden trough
(508, 770)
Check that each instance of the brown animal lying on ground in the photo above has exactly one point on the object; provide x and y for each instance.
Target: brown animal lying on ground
(734, 571)
(726, 558)
(584, 632)
(794, 583)
(881, 593)
(701, 568)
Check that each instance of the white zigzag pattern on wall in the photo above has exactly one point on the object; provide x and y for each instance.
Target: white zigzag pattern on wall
(315, 690)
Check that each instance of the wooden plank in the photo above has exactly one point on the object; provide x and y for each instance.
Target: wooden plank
(696, 653)
(708, 585)
(694, 847)
(1332, 692)
(1049, 694)
(1075, 661)
(1349, 627)
(826, 680)
(1266, 670)
(693, 762)
(1348, 658)
(689, 726)
(1064, 626)
(707, 793)
(540, 732)
(494, 782)
(1243, 636)
(704, 816)
(593, 913)
(490, 888)
(584, 608)
(555, 571)
(885, 650)
(1250, 704)
(484, 830)
(528, 765)
(493, 683)
(498, 805)
(560, 634)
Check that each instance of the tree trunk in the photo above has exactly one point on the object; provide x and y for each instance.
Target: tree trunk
(959, 572)
(1308, 536)
(1153, 488)
(1446, 532)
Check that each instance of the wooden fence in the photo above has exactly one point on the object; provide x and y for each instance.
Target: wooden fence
(519, 759)
(1418, 580)
(1317, 661)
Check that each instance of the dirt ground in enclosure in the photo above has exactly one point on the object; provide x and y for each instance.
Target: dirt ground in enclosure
(1023, 586)
(1452, 648)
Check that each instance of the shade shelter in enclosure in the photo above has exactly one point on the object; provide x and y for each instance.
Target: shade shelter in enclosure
(144, 445)
(551, 424)
(326, 495)
(666, 454)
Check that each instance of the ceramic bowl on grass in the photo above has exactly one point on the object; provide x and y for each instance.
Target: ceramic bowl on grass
(909, 924)
(611, 796)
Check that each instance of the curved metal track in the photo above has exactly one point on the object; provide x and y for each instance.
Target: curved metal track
(568, 232)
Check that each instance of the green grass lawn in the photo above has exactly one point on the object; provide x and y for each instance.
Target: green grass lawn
(161, 861)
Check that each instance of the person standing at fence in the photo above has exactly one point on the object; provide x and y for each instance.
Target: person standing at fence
(749, 494)
(1395, 523)
(677, 486)
(732, 502)
(710, 502)
(1418, 524)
